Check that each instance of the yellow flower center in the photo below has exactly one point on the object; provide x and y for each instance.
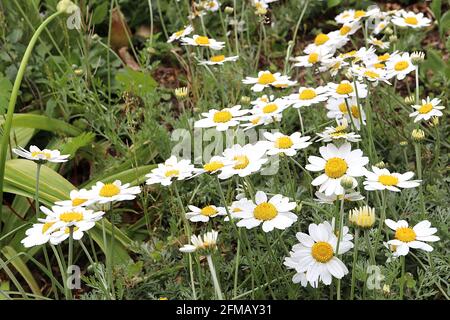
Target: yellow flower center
(401, 65)
(353, 109)
(307, 94)
(313, 57)
(344, 30)
(344, 88)
(384, 57)
(202, 41)
(350, 53)
(359, 14)
(179, 33)
(172, 173)
(335, 167)
(379, 65)
(47, 226)
(371, 74)
(241, 162)
(71, 216)
(222, 116)
(266, 78)
(67, 230)
(41, 153)
(387, 180)
(218, 58)
(265, 211)
(255, 120)
(237, 210)
(405, 234)
(211, 4)
(425, 108)
(271, 107)
(213, 166)
(321, 39)
(109, 190)
(283, 143)
(78, 202)
(322, 251)
(411, 20)
(208, 211)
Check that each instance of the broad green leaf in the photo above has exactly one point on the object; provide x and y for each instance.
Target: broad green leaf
(41, 122)
(100, 13)
(138, 82)
(22, 268)
(436, 9)
(5, 92)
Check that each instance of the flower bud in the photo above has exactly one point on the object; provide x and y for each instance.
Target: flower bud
(417, 57)
(229, 10)
(418, 135)
(181, 93)
(66, 6)
(347, 183)
(362, 217)
(245, 100)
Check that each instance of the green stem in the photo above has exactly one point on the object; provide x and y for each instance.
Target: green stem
(111, 255)
(214, 277)
(12, 103)
(417, 149)
(402, 280)
(417, 85)
(70, 256)
(236, 267)
(369, 247)
(382, 218)
(187, 230)
(341, 223)
(36, 197)
(355, 257)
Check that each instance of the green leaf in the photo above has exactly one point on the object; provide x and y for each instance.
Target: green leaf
(444, 23)
(333, 3)
(100, 13)
(22, 268)
(5, 93)
(436, 8)
(40, 122)
(138, 82)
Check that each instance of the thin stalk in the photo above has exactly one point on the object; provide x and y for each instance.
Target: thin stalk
(341, 223)
(418, 152)
(70, 257)
(355, 257)
(369, 247)
(402, 280)
(36, 197)
(417, 85)
(111, 255)
(12, 103)
(382, 218)
(212, 269)
(236, 266)
(187, 230)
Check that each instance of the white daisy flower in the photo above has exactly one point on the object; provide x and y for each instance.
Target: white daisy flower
(339, 132)
(266, 79)
(316, 255)
(429, 108)
(271, 108)
(211, 5)
(204, 214)
(351, 15)
(237, 206)
(109, 192)
(171, 169)
(333, 65)
(381, 179)
(337, 109)
(279, 143)
(187, 30)
(331, 41)
(337, 163)
(346, 89)
(348, 28)
(36, 154)
(381, 25)
(373, 75)
(222, 120)
(379, 43)
(414, 238)
(214, 165)
(273, 213)
(362, 54)
(399, 65)
(218, 60)
(410, 19)
(248, 159)
(257, 120)
(203, 41)
(308, 96)
(78, 198)
(331, 199)
(64, 233)
(38, 234)
(346, 237)
(208, 242)
(315, 57)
